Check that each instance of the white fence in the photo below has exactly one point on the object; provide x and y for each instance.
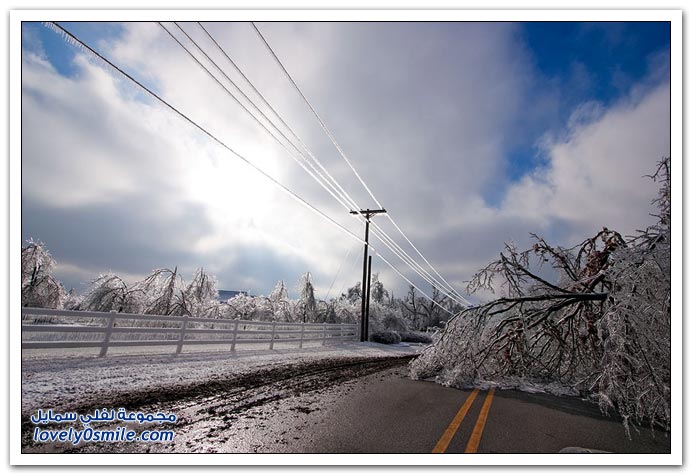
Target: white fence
(46, 328)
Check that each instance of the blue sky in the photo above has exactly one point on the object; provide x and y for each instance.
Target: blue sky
(615, 55)
(57, 50)
(598, 61)
(471, 134)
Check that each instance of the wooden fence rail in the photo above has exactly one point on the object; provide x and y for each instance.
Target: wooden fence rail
(47, 328)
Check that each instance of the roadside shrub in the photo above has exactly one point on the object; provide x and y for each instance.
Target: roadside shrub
(388, 338)
(415, 337)
(393, 323)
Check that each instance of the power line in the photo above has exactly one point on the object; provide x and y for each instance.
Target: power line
(264, 127)
(352, 268)
(408, 260)
(276, 114)
(324, 126)
(343, 155)
(60, 29)
(343, 261)
(411, 283)
(445, 287)
(344, 197)
(426, 261)
(73, 39)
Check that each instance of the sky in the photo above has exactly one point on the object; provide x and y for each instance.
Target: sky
(471, 135)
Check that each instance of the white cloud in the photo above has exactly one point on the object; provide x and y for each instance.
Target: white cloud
(91, 143)
(429, 136)
(595, 177)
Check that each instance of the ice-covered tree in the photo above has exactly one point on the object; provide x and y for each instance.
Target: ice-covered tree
(200, 297)
(307, 304)
(353, 294)
(346, 312)
(601, 326)
(327, 310)
(109, 292)
(243, 307)
(385, 317)
(281, 304)
(39, 287)
(280, 292)
(160, 289)
(377, 290)
(636, 373)
(72, 300)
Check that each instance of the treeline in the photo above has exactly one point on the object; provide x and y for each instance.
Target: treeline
(165, 292)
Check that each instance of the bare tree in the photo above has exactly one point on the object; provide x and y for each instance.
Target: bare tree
(432, 309)
(411, 304)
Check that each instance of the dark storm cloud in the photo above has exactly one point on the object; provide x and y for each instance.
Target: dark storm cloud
(130, 236)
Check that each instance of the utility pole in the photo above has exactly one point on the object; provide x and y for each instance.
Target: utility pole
(367, 298)
(363, 323)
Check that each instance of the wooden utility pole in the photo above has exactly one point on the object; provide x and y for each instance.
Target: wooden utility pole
(367, 298)
(363, 297)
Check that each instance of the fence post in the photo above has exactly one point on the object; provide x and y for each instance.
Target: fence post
(302, 334)
(109, 330)
(271, 343)
(324, 333)
(181, 339)
(235, 336)
(341, 333)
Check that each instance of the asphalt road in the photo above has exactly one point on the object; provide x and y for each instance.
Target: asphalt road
(373, 407)
(389, 413)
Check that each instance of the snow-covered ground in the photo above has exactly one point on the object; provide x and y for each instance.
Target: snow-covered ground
(64, 382)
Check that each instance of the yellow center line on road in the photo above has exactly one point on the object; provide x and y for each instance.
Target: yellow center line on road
(454, 425)
(472, 446)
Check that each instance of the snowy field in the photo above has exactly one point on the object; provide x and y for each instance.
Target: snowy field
(66, 380)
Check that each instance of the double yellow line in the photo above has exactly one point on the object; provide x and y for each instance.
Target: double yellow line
(475, 439)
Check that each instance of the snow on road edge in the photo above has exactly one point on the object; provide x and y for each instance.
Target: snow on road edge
(62, 382)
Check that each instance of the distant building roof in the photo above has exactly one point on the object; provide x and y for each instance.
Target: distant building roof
(229, 294)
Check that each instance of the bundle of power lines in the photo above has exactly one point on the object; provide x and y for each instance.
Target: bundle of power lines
(277, 128)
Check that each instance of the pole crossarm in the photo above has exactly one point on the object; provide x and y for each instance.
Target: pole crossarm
(369, 212)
